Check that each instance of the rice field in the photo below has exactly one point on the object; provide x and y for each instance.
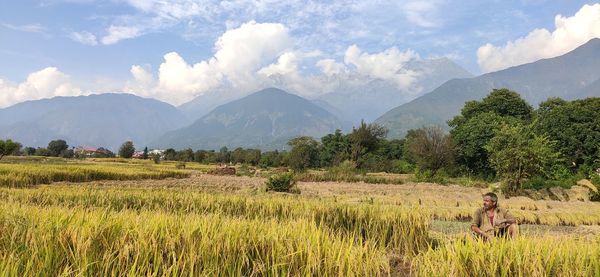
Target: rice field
(23, 175)
(194, 224)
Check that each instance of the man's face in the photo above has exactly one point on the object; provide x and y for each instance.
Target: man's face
(487, 202)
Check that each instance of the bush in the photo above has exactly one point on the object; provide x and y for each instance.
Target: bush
(595, 179)
(402, 167)
(283, 182)
(539, 182)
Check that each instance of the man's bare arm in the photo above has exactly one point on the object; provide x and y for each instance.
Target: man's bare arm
(478, 231)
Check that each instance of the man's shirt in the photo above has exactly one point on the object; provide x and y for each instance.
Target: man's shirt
(481, 219)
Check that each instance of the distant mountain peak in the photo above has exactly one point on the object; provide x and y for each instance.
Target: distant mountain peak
(265, 119)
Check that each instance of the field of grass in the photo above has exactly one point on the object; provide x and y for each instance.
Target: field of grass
(203, 225)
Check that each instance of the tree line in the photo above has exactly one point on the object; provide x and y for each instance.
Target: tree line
(499, 136)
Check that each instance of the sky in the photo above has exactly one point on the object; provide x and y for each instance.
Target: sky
(177, 50)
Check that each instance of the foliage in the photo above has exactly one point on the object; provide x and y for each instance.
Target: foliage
(283, 182)
(145, 154)
(304, 153)
(155, 158)
(517, 153)
(335, 149)
(8, 147)
(126, 150)
(57, 147)
(430, 148)
(365, 139)
(478, 122)
(270, 159)
(595, 179)
(574, 126)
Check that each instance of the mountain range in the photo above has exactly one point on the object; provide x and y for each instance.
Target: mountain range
(105, 120)
(573, 75)
(268, 118)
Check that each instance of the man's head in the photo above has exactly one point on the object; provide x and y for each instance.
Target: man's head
(490, 200)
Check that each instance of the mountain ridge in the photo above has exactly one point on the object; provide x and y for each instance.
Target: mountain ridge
(565, 76)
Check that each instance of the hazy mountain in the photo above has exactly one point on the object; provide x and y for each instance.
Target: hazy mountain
(266, 119)
(205, 103)
(572, 75)
(103, 120)
(349, 96)
(368, 99)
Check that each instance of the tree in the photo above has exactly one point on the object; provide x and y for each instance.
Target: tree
(57, 147)
(335, 148)
(8, 147)
(170, 154)
(430, 148)
(304, 153)
(478, 122)
(252, 156)
(270, 159)
(365, 139)
(517, 153)
(126, 150)
(574, 126)
(29, 151)
(145, 154)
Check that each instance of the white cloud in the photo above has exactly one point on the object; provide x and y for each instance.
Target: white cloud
(118, 33)
(330, 67)
(422, 13)
(569, 33)
(286, 64)
(30, 28)
(46, 83)
(86, 38)
(239, 54)
(385, 65)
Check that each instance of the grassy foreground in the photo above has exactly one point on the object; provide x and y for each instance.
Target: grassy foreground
(174, 227)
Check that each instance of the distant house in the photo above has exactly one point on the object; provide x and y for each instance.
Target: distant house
(138, 155)
(156, 152)
(81, 151)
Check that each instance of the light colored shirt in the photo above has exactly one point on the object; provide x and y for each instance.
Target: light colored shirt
(481, 220)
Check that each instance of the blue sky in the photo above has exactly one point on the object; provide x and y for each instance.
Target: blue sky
(71, 47)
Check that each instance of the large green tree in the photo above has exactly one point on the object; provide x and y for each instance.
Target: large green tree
(574, 126)
(477, 123)
(365, 139)
(126, 150)
(8, 147)
(304, 153)
(57, 147)
(335, 149)
(517, 153)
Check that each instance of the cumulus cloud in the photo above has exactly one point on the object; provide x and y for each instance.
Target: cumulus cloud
(286, 64)
(118, 33)
(569, 33)
(386, 65)
(239, 54)
(86, 38)
(330, 67)
(46, 83)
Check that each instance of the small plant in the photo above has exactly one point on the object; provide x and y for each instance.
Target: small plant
(155, 158)
(283, 182)
(180, 165)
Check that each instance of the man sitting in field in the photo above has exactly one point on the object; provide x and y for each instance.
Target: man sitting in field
(492, 220)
